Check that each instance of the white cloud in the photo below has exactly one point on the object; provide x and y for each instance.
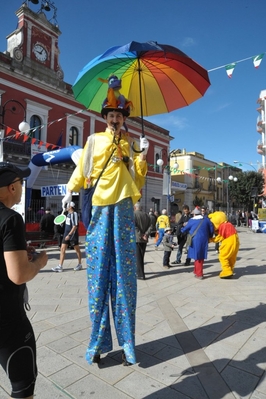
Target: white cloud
(222, 106)
(188, 42)
(169, 122)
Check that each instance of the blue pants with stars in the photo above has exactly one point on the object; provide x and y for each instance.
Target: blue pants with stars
(111, 271)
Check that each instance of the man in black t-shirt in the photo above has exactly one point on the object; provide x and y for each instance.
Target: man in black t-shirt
(17, 341)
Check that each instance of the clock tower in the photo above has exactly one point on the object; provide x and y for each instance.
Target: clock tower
(33, 46)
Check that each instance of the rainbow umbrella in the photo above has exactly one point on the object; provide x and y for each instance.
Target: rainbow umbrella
(156, 78)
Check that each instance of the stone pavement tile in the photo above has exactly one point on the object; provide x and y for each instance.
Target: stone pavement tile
(68, 319)
(237, 335)
(150, 308)
(157, 368)
(110, 368)
(63, 344)
(45, 316)
(148, 317)
(219, 324)
(77, 355)
(251, 357)
(94, 388)
(140, 386)
(67, 306)
(189, 384)
(69, 375)
(162, 333)
(49, 362)
(82, 335)
(3, 393)
(47, 389)
(260, 391)
(204, 336)
(45, 337)
(174, 356)
(261, 331)
(220, 354)
(162, 330)
(257, 395)
(75, 324)
(41, 326)
(242, 384)
(5, 386)
(200, 316)
(150, 347)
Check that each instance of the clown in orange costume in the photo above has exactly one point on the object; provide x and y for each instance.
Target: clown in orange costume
(227, 235)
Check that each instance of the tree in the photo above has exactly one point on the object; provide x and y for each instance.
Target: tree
(240, 192)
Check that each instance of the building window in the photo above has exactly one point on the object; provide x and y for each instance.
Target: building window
(35, 125)
(157, 167)
(197, 183)
(73, 136)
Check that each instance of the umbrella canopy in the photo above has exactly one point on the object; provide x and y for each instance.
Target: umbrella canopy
(156, 78)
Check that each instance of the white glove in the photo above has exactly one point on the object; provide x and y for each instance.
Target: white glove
(144, 145)
(67, 198)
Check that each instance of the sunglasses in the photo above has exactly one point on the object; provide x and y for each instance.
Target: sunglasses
(21, 181)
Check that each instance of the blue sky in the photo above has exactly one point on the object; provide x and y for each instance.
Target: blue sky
(222, 124)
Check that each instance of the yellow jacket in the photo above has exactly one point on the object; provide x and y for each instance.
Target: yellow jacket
(119, 180)
(162, 222)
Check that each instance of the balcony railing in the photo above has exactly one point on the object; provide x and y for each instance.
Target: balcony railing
(17, 148)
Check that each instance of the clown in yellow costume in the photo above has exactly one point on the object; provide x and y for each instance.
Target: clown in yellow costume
(227, 235)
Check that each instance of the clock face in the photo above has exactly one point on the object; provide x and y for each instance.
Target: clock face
(40, 52)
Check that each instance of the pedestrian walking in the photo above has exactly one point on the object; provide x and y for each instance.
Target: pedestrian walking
(110, 237)
(162, 223)
(17, 340)
(70, 237)
(202, 230)
(142, 229)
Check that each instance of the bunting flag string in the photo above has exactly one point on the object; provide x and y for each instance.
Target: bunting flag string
(191, 172)
(229, 68)
(173, 170)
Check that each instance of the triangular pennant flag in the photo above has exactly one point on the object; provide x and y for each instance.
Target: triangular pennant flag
(8, 130)
(230, 69)
(25, 138)
(33, 141)
(257, 60)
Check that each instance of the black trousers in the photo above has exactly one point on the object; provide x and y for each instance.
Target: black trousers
(140, 252)
(166, 258)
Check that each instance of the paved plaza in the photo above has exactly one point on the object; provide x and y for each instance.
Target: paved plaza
(198, 339)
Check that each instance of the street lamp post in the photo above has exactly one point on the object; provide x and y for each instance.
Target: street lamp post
(230, 178)
(246, 163)
(24, 127)
(167, 176)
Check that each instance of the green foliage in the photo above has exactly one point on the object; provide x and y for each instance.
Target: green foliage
(240, 191)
